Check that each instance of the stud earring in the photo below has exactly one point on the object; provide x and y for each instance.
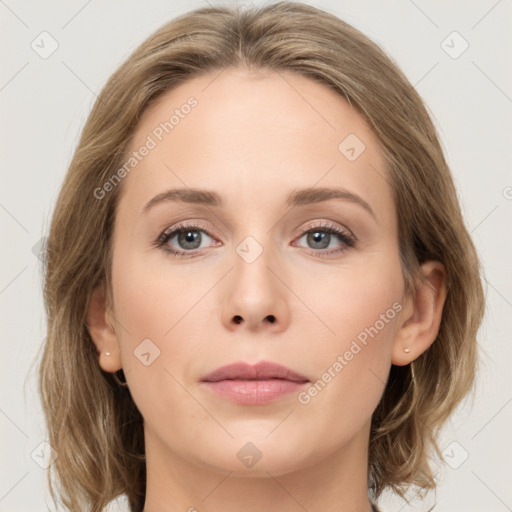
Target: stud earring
(407, 350)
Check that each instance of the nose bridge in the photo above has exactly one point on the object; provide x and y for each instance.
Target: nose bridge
(251, 274)
(255, 297)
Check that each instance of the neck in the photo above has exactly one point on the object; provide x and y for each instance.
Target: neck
(333, 483)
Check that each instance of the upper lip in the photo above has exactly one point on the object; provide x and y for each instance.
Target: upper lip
(260, 371)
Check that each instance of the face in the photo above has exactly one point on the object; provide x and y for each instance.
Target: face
(263, 266)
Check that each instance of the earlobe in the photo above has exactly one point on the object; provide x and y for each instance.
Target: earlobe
(102, 331)
(423, 313)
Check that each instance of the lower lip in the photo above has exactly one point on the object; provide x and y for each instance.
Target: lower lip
(254, 392)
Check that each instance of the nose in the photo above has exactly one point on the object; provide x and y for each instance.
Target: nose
(256, 298)
(237, 319)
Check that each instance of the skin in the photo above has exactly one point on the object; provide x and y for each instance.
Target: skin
(254, 138)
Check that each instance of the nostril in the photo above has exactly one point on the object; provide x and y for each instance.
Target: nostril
(238, 319)
(271, 318)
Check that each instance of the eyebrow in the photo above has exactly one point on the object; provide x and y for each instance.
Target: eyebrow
(296, 198)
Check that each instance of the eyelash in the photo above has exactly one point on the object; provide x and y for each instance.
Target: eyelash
(343, 236)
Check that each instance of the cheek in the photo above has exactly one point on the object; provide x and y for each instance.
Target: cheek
(357, 301)
(361, 307)
(155, 310)
(164, 324)
(151, 299)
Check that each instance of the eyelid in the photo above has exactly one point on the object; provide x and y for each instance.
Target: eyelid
(327, 224)
(323, 225)
(198, 224)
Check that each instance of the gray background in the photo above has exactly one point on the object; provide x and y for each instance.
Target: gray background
(45, 101)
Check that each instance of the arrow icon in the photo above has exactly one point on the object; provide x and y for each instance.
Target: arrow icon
(43, 455)
(249, 253)
(249, 455)
(147, 352)
(351, 147)
(454, 45)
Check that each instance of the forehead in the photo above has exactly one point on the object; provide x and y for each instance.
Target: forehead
(255, 136)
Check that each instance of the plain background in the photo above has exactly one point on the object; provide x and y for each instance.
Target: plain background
(45, 101)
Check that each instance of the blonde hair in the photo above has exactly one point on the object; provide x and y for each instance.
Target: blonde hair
(93, 423)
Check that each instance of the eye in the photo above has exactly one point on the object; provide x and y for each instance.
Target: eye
(321, 236)
(188, 236)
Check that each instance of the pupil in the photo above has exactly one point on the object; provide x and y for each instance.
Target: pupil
(320, 238)
(189, 239)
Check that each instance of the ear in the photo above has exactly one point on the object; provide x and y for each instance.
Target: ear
(421, 315)
(101, 328)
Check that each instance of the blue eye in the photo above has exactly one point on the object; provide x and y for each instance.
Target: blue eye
(189, 237)
(321, 236)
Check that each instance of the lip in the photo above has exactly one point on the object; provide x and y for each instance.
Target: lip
(263, 370)
(263, 382)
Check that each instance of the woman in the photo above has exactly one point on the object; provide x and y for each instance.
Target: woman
(261, 294)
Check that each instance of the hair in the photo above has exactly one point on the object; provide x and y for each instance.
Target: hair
(93, 423)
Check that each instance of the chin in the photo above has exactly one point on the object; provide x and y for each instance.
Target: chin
(248, 457)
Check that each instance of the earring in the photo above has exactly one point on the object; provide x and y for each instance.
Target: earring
(116, 376)
(407, 350)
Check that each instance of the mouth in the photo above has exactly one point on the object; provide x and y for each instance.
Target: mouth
(264, 370)
(254, 384)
